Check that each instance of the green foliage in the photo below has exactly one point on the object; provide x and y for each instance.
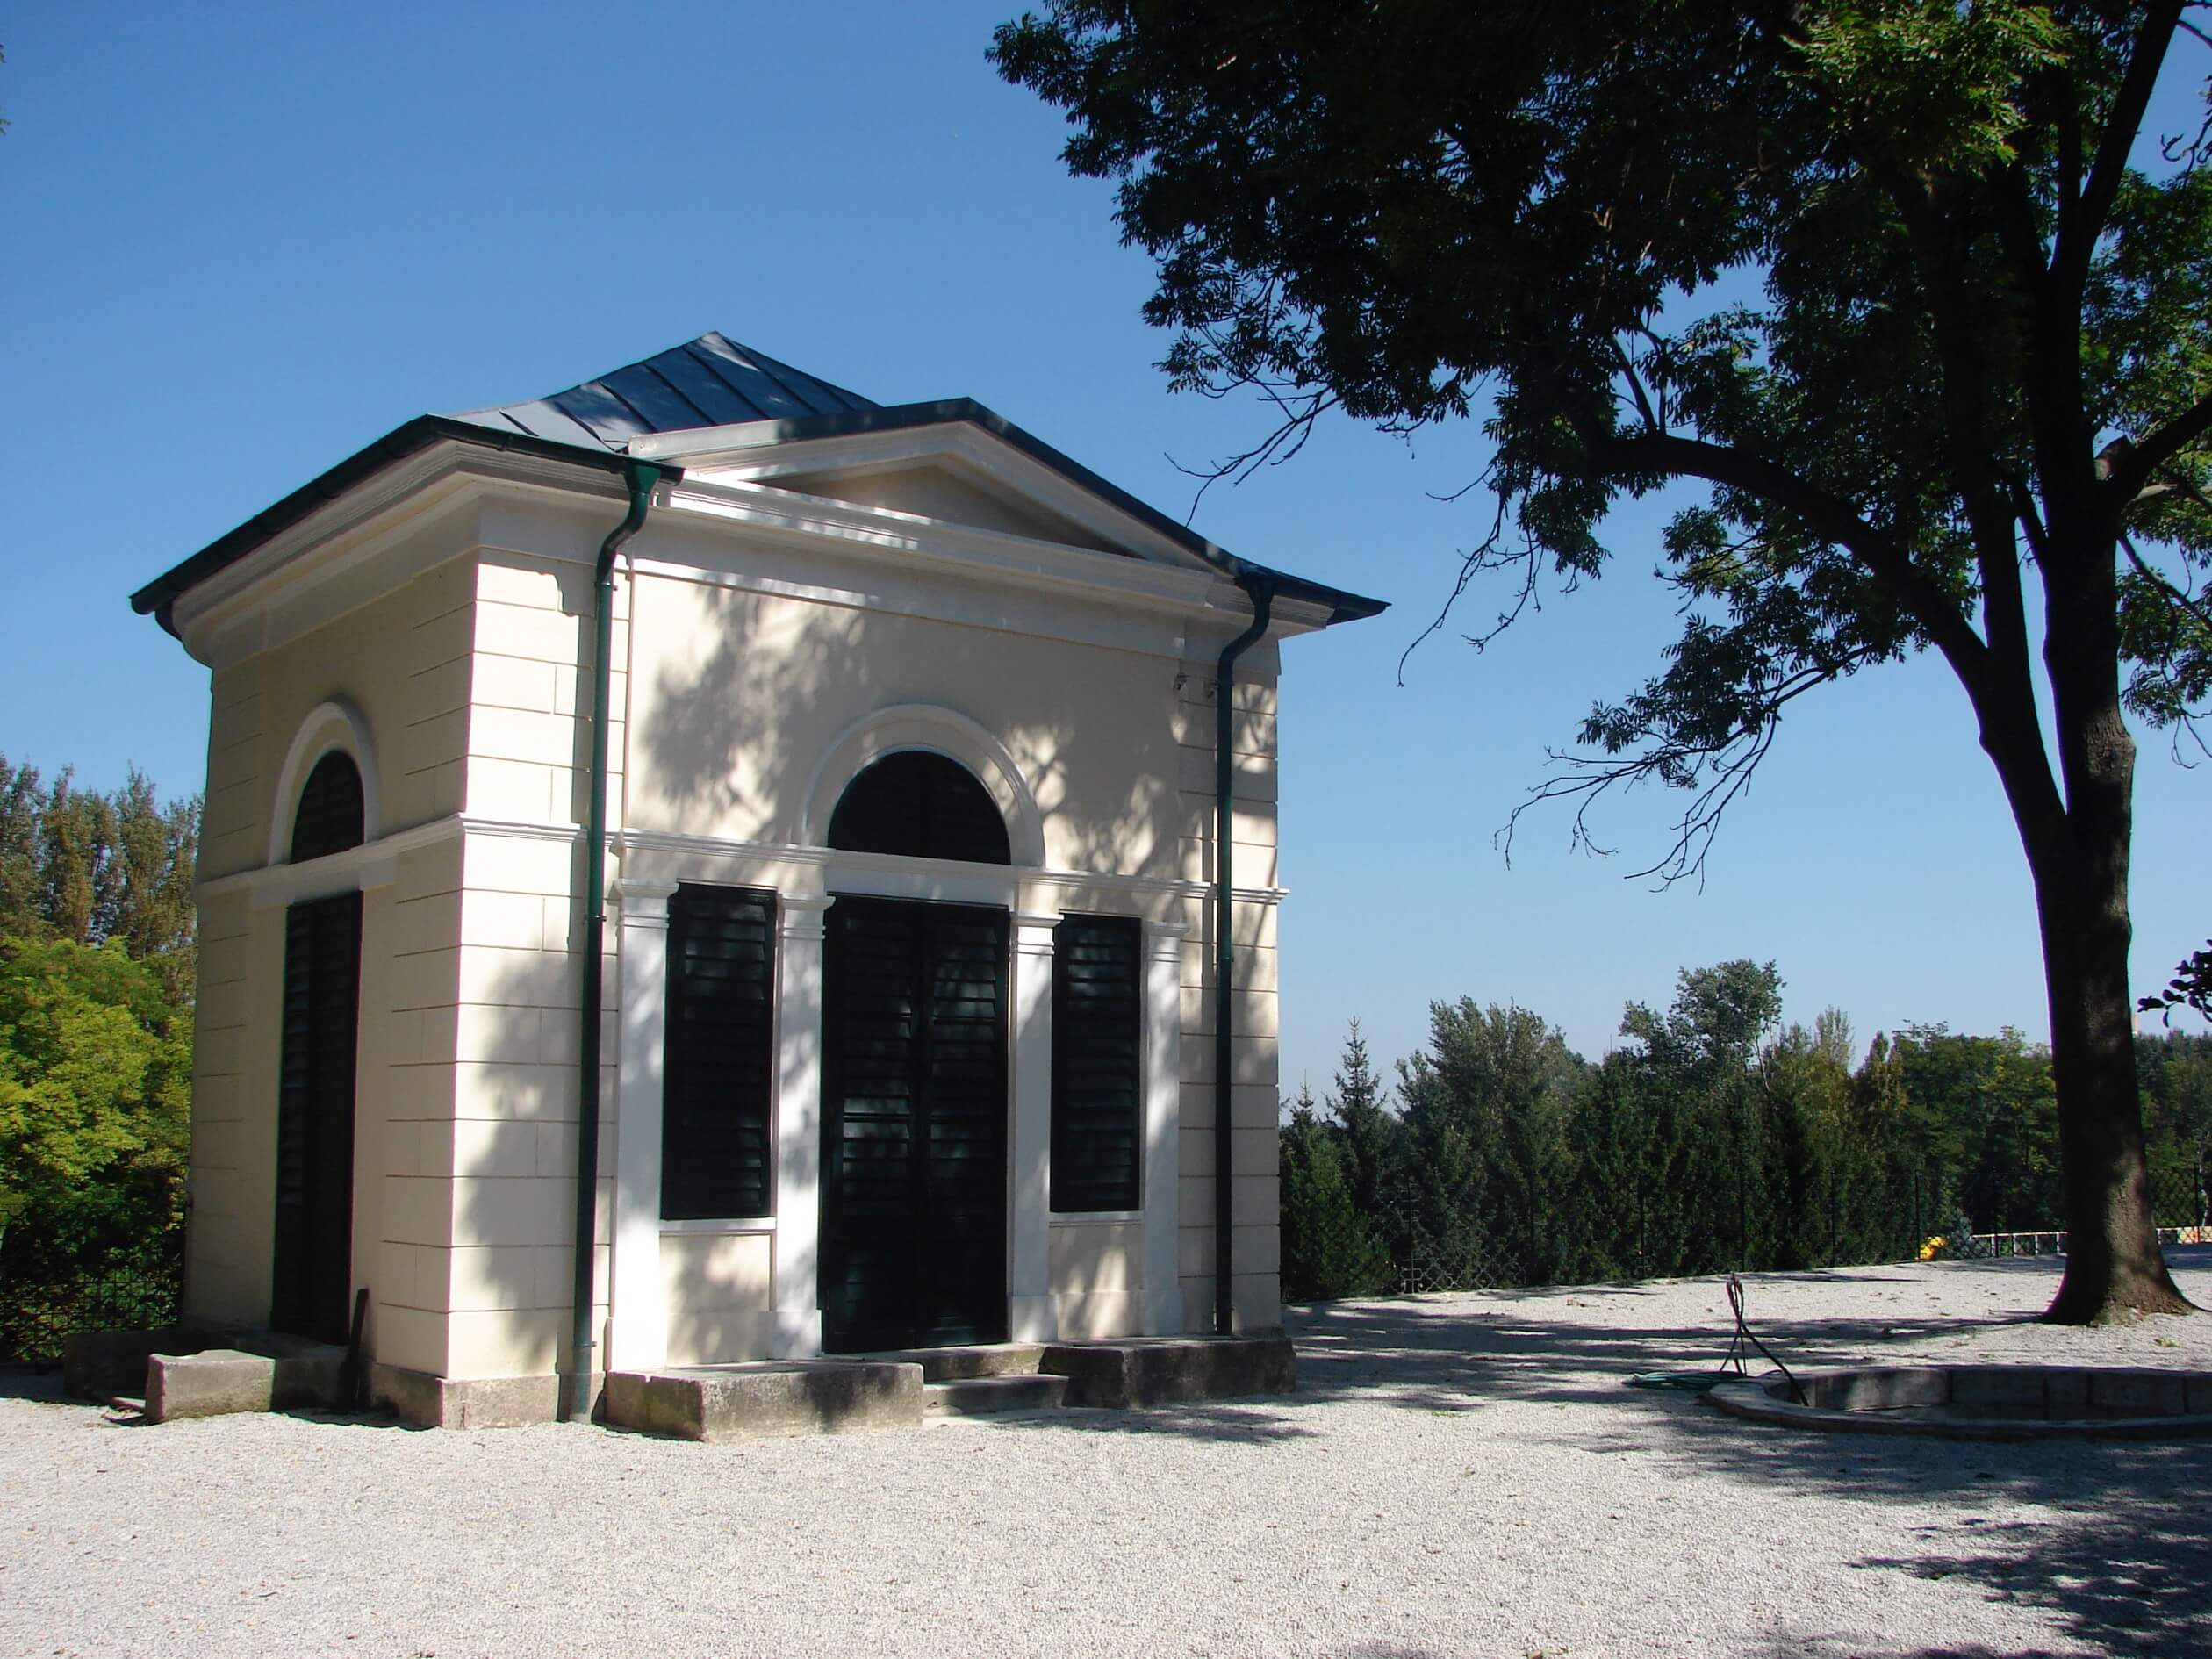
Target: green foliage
(77, 865)
(1372, 1135)
(1715, 1136)
(1332, 1246)
(97, 967)
(1486, 1111)
(95, 1081)
(1398, 210)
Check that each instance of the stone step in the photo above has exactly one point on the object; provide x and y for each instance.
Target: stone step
(981, 1396)
(765, 1398)
(958, 1364)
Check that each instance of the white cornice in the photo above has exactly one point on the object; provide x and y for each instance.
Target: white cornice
(962, 446)
(416, 513)
(400, 483)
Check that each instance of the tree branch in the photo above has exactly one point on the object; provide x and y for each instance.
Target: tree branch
(1826, 516)
(1732, 761)
(2080, 231)
(2174, 595)
(2127, 464)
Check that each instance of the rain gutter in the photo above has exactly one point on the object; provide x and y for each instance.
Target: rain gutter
(1260, 589)
(642, 479)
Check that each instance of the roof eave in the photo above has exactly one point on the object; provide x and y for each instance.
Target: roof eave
(158, 598)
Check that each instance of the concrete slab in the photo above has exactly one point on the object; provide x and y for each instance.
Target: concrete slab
(216, 1381)
(1171, 1370)
(770, 1397)
(985, 1396)
(954, 1364)
(470, 1403)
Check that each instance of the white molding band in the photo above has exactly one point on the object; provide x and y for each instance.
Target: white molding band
(1162, 1190)
(638, 1315)
(795, 1256)
(896, 875)
(1032, 1315)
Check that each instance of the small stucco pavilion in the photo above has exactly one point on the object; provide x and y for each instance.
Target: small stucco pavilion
(903, 879)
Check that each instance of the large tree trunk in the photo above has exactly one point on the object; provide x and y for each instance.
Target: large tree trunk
(2079, 858)
(2114, 1269)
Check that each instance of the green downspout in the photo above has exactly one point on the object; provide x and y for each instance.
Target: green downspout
(642, 478)
(1261, 593)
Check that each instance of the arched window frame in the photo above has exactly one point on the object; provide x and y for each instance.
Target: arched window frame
(939, 732)
(333, 726)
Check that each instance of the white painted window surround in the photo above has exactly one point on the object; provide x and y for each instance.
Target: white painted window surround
(941, 731)
(335, 725)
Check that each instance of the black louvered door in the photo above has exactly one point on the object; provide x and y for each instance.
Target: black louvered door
(914, 1125)
(311, 1287)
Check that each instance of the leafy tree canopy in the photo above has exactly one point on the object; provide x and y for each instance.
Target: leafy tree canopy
(95, 1084)
(1879, 273)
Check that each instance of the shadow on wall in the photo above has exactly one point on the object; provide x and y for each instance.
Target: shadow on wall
(733, 732)
(735, 735)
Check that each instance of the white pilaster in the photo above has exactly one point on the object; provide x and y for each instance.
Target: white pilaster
(637, 1324)
(1031, 1315)
(797, 1250)
(1163, 1127)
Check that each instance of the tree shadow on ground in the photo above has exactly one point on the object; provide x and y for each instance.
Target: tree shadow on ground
(2107, 1539)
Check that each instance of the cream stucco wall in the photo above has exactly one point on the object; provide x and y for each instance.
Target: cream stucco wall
(390, 662)
(466, 681)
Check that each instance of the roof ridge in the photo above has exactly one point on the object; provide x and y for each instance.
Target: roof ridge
(710, 380)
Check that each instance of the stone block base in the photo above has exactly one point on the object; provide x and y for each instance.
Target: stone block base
(471, 1403)
(768, 1398)
(216, 1382)
(1167, 1370)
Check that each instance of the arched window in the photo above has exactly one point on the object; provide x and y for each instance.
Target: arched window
(330, 817)
(922, 805)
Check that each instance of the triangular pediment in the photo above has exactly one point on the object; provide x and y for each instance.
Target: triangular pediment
(941, 491)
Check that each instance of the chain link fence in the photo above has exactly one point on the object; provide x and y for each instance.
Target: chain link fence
(45, 1300)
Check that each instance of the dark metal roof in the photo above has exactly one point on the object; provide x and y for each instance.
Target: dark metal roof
(711, 381)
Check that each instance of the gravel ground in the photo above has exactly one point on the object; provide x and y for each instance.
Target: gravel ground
(1457, 1476)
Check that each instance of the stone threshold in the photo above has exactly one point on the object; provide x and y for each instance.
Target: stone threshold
(839, 1393)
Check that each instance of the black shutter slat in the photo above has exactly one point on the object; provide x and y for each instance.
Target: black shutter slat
(1097, 1063)
(716, 1159)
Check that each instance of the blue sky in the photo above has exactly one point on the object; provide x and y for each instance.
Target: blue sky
(248, 240)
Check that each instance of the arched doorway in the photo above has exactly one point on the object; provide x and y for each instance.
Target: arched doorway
(312, 1281)
(914, 1222)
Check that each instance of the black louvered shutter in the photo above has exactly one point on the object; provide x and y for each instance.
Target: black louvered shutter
(331, 812)
(914, 1125)
(922, 805)
(1097, 1062)
(717, 1158)
(312, 1288)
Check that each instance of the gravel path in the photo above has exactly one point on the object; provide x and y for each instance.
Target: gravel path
(1457, 1476)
